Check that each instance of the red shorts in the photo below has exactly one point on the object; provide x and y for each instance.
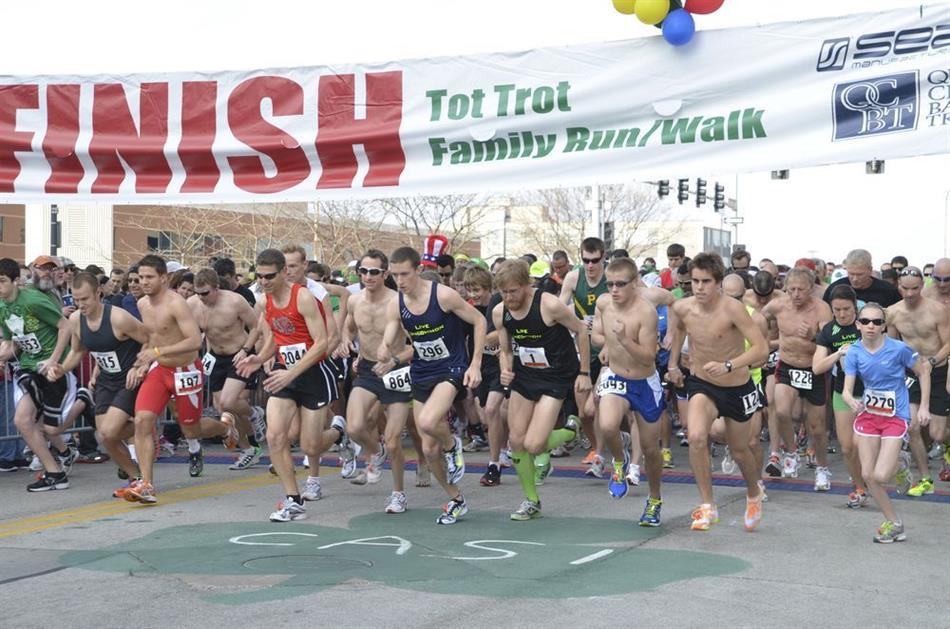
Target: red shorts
(871, 425)
(186, 384)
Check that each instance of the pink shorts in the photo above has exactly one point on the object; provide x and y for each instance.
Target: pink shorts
(871, 425)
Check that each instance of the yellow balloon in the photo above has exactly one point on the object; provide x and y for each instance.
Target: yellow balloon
(652, 11)
(627, 7)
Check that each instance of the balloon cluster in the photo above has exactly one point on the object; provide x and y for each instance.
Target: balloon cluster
(673, 17)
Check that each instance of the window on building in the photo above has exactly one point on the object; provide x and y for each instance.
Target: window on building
(159, 241)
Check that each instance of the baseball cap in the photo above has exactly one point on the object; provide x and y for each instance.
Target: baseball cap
(173, 266)
(808, 263)
(539, 270)
(44, 260)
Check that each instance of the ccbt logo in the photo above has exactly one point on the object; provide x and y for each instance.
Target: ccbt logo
(870, 107)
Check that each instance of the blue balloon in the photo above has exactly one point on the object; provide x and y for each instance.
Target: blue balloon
(679, 27)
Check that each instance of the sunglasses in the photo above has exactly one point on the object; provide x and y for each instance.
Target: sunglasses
(202, 293)
(268, 276)
(940, 278)
(592, 260)
(866, 321)
(618, 284)
(374, 272)
(911, 273)
(685, 284)
(449, 274)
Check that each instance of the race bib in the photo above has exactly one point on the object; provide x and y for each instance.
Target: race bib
(28, 343)
(750, 403)
(398, 380)
(188, 382)
(882, 403)
(608, 386)
(533, 357)
(773, 360)
(207, 363)
(107, 361)
(291, 354)
(431, 350)
(800, 379)
(491, 350)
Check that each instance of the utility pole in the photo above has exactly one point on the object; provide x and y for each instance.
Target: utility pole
(54, 230)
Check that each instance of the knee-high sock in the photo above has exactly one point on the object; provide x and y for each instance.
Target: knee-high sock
(524, 466)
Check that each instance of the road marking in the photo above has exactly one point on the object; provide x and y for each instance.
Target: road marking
(592, 557)
(239, 538)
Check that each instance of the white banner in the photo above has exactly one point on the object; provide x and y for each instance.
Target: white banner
(848, 89)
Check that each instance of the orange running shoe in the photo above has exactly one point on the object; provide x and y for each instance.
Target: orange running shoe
(704, 516)
(232, 436)
(591, 455)
(753, 511)
(141, 491)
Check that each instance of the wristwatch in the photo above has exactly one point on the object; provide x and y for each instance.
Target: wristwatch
(728, 365)
(932, 361)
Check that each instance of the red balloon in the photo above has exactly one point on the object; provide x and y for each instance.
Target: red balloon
(702, 7)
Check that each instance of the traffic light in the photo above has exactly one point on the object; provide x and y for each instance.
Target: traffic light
(664, 188)
(719, 201)
(609, 235)
(683, 194)
(700, 192)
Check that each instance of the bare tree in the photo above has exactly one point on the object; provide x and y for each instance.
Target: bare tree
(343, 230)
(457, 217)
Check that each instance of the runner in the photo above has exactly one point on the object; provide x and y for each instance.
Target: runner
(884, 410)
(833, 343)
(867, 287)
(717, 328)
(433, 315)
(225, 317)
(36, 335)
(385, 383)
(294, 326)
(626, 326)
(924, 325)
(169, 367)
(542, 376)
(114, 338)
(939, 290)
(799, 316)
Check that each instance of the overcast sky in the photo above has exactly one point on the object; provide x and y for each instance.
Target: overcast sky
(823, 211)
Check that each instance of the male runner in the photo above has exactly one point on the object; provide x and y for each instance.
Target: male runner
(294, 326)
(799, 316)
(433, 316)
(114, 338)
(939, 290)
(867, 287)
(225, 317)
(534, 324)
(718, 328)
(386, 383)
(924, 325)
(626, 325)
(169, 367)
(35, 334)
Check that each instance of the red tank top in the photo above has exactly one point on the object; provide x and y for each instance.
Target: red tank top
(291, 335)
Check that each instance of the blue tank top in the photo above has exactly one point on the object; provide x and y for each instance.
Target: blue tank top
(438, 341)
(662, 355)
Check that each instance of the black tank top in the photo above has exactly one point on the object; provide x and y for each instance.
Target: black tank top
(438, 338)
(113, 356)
(541, 351)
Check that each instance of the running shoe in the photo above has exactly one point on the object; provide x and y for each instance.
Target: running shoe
(248, 458)
(945, 472)
(904, 478)
(165, 447)
(67, 458)
(617, 486)
(122, 474)
(259, 424)
(306, 461)
(141, 491)
(396, 503)
(596, 468)
(832, 448)
(573, 424)
(559, 452)
(14, 465)
(492, 476)
(231, 437)
(633, 475)
(375, 465)
(454, 463)
(196, 463)
(589, 457)
(349, 450)
(584, 442)
(359, 479)
(937, 450)
(529, 510)
(890, 532)
(541, 472)
(704, 516)
(790, 465)
(93, 458)
(504, 458)
(477, 444)
(729, 465)
(651, 512)
(765, 496)
(119, 492)
(312, 490)
(857, 499)
(753, 512)
(453, 510)
(288, 510)
(423, 476)
(667, 455)
(35, 464)
(923, 487)
(811, 461)
(774, 468)
(48, 482)
(822, 479)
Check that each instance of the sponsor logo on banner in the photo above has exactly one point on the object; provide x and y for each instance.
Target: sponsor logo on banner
(871, 107)
(878, 49)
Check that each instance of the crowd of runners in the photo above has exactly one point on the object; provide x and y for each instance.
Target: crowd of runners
(770, 367)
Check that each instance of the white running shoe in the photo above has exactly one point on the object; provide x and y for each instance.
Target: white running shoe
(822, 479)
(596, 468)
(259, 424)
(504, 458)
(729, 465)
(790, 465)
(306, 462)
(35, 464)
(374, 468)
(396, 502)
(633, 475)
(249, 458)
(287, 511)
(312, 490)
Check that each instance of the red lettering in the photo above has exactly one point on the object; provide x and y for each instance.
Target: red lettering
(13, 97)
(339, 130)
(59, 143)
(248, 126)
(198, 126)
(114, 135)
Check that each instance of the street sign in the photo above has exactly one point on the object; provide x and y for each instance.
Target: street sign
(733, 220)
